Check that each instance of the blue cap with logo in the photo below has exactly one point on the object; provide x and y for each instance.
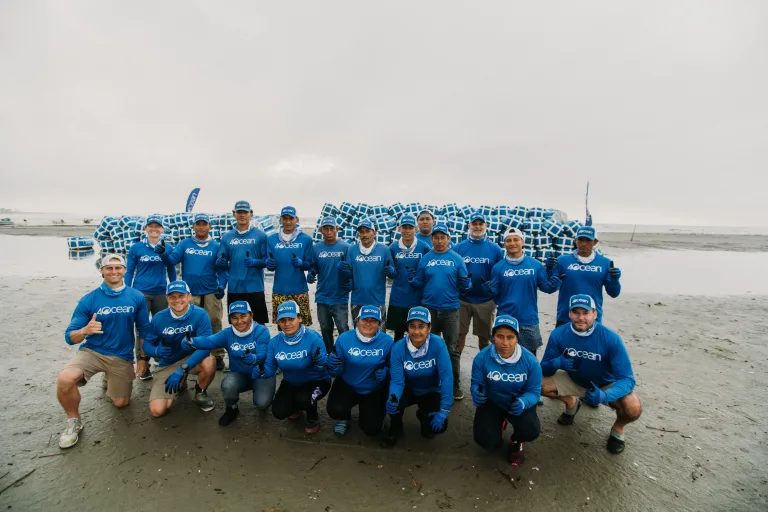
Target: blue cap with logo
(476, 216)
(408, 220)
(328, 221)
(369, 312)
(242, 206)
(239, 306)
(288, 309)
(202, 217)
(177, 287)
(581, 300)
(289, 211)
(586, 232)
(506, 321)
(419, 313)
(441, 228)
(154, 219)
(366, 224)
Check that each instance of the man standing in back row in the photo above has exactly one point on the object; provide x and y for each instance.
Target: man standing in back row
(426, 221)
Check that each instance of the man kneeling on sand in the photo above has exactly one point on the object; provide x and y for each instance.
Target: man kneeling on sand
(588, 360)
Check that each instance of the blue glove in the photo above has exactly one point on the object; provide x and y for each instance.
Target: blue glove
(345, 268)
(258, 373)
(389, 271)
(478, 395)
(270, 264)
(347, 286)
(438, 419)
(163, 352)
(411, 273)
(249, 359)
(563, 363)
(490, 286)
(392, 405)
(297, 262)
(319, 366)
(160, 248)
(188, 343)
(334, 362)
(517, 408)
(551, 262)
(219, 293)
(221, 263)
(173, 382)
(554, 282)
(311, 277)
(250, 262)
(615, 273)
(465, 283)
(381, 374)
(595, 396)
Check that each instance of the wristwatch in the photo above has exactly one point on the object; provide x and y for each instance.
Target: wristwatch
(145, 358)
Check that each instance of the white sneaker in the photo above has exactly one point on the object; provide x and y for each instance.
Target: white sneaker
(71, 435)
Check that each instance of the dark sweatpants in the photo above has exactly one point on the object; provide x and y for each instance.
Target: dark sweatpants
(489, 419)
(290, 399)
(343, 398)
(427, 404)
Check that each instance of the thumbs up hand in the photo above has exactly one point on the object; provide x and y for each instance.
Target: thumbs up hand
(93, 327)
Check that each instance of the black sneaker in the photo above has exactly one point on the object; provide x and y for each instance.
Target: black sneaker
(515, 453)
(390, 437)
(458, 394)
(589, 404)
(567, 419)
(615, 445)
(229, 416)
(146, 375)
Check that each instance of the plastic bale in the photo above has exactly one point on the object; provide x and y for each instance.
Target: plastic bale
(494, 223)
(451, 210)
(107, 245)
(552, 227)
(502, 211)
(350, 233)
(540, 241)
(529, 251)
(317, 236)
(413, 208)
(348, 209)
(515, 221)
(384, 238)
(441, 219)
(549, 213)
(456, 224)
(396, 237)
(396, 209)
(329, 210)
(534, 225)
(543, 254)
(380, 209)
(485, 210)
(364, 209)
(466, 211)
(521, 211)
(571, 227)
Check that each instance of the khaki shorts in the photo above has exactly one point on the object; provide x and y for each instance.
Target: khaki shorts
(302, 299)
(160, 376)
(481, 316)
(120, 372)
(212, 306)
(566, 386)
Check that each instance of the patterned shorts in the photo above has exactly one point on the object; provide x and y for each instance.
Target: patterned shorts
(302, 299)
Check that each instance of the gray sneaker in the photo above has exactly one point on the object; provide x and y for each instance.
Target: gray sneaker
(71, 435)
(203, 400)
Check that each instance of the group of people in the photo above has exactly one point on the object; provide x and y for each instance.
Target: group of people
(437, 291)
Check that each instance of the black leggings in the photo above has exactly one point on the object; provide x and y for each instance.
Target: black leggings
(427, 403)
(489, 419)
(290, 399)
(343, 398)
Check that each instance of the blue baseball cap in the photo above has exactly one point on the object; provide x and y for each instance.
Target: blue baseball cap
(203, 217)
(177, 287)
(441, 228)
(369, 312)
(419, 313)
(586, 232)
(366, 224)
(154, 219)
(476, 216)
(289, 211)
(428, 212)
(506, 321)
(288, 309)
(583, 301)
(239, 306)
(328, 221)
(408, 220)
(242, 206)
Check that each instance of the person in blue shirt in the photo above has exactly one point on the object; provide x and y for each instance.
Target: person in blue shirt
(246, 342)
(331, 295)
(300, 354)
(244, 254)
(290, 256)
(584, 271)
(206, 282)
(359, 362)
(406, 253)
(426, 221)
(420, 374)
(103, 324)
(443, 276)
(506, 382)
(148, 273)
(169, 328)
(477, 306)
(368, 264)
(587, 359)
(514, 283)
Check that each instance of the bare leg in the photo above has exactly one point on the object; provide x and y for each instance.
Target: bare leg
(461, 342)
(121, 402)
(159, 406)
(628, 409)
(482, 342)
(67, 392)
(549, 390)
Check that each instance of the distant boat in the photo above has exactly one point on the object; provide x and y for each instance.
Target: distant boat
(6, 222)
(58, 221)
(88, 221)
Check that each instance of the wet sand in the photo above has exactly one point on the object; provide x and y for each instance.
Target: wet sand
(700, 445)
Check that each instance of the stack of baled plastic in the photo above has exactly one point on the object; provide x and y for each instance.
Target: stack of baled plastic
(118, 234)
(547, 231)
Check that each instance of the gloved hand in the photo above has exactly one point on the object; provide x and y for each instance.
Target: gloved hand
(173, 382)
(258, 372)
(160, 248)
(551, 262)
(297, 262)
(517, 407)
(411, 273)
(554, 281)
(595, 396)
(334, 362)
(311, 277)
(188, 343)
(381, 374)
(392, 404)
(478, 395)
(491, 286)
(271, 264)
(438, 419)
(347, 286)
(465, 283)
(219, 293)
(163, 352)
(389, 271)
(345, 268)
(317, 360)
(249, 262)
(563, 363)
(221, 262)
(249, 359)
(615, 273)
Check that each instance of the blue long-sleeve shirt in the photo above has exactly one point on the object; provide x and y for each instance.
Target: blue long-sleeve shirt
(479, 257)
(504, 382)
(402, 294)
(600, 357)
(296, 360)
(427, 239)
(428, 374)
(588, 279)
(361, 360)
(118, 316)
(516, 287)
(234, 246)
(170, 332)
(255, 342)
(369, 284)
(146, 271)
(198, 265)
(290, 280)
(438, 276)
(325, 260)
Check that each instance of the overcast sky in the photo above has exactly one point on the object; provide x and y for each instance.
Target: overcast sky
(123, 107)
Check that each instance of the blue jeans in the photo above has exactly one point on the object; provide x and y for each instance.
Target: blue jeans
(329, 314)
(236, 383)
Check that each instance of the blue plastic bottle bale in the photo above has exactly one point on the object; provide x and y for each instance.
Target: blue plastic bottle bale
(520, 211)
(456, 224)
(441, 219)
(456, 238)
(451, 210)
(529, 251)
(396, 209)
(485, 210)
(350, 233)
(467, 210)
(80, 242)
(548, 213)
(364, 209)
(571, 227)
(534, 225)
(329, 210)
(396, 236)
(379, 210)
(317, 236)
(543, 254)
(383, 238)
(502, 211)
(413, 208)
(431, 207)
(494, 223)
(551, 227)
(536, 212)
(348, 209)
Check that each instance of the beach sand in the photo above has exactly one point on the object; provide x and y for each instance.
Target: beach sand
(700, 444)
